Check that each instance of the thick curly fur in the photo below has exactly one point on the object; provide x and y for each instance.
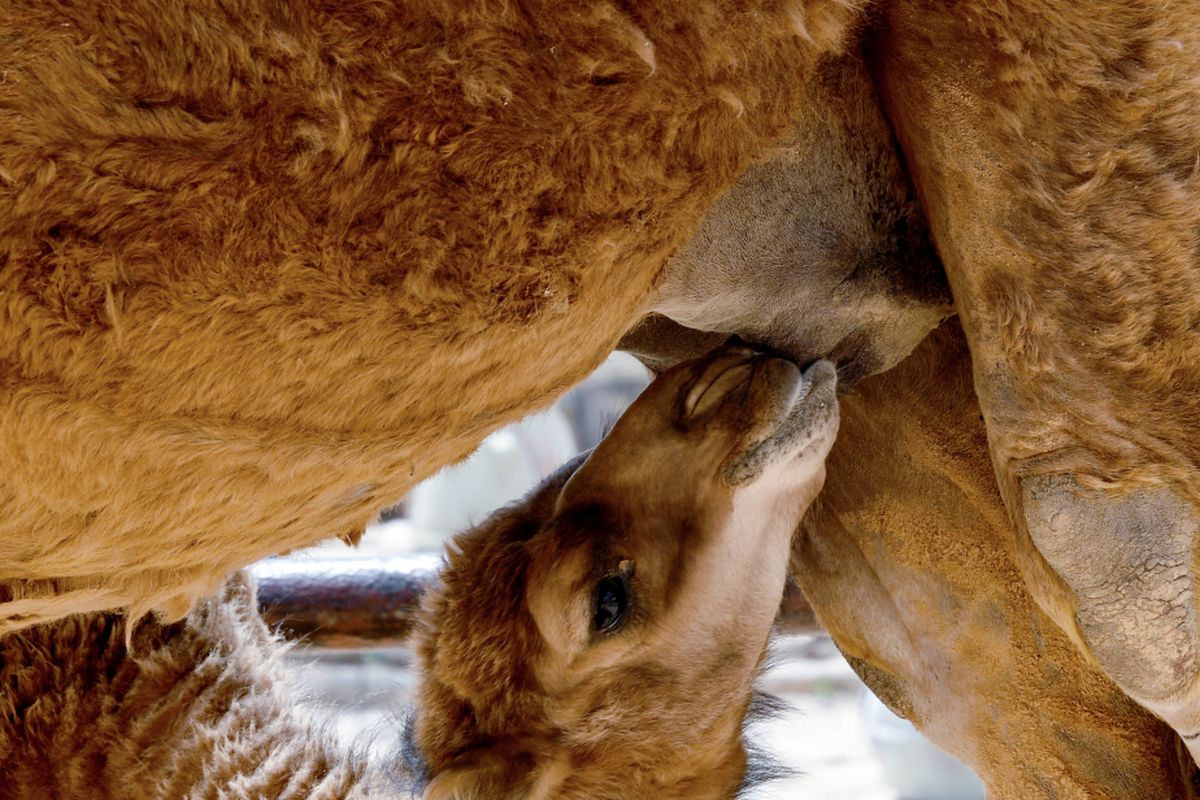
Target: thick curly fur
(264, 265)
(198, 708)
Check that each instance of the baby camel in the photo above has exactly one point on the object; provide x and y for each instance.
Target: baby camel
(599, 639)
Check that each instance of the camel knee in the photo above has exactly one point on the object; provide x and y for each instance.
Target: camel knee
(1128, 562)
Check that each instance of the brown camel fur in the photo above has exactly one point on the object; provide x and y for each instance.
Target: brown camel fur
(264, 265)
(951, 641)
(908, 558)
(598, 639)
(1056, 150)
(686, 510)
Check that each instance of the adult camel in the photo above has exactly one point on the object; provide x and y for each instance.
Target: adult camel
(247, 251)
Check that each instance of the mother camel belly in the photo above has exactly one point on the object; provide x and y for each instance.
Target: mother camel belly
(263, 266)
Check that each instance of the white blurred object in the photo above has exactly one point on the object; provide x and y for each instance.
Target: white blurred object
(595, 405)
(916, 768)
(517, 458)
(508, 464)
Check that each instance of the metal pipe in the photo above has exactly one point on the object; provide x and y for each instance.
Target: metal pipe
(372, 602)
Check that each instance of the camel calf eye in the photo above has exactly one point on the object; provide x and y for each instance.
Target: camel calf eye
(612, 600)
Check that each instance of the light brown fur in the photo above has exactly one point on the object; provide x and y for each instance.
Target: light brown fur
(1055, 149)
(263, 266)
(521, 698)
(908, 559)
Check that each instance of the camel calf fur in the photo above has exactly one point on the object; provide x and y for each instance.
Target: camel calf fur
(599, 639)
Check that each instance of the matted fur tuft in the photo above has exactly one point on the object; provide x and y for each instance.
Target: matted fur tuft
(198, 708)
(762, 765)
(409, 757)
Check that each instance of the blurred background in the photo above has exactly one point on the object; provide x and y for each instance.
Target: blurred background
(837, 738)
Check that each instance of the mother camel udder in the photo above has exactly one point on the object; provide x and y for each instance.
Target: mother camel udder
(263, 265)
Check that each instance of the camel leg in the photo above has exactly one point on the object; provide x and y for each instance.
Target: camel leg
(1055, 149)
(909, 563)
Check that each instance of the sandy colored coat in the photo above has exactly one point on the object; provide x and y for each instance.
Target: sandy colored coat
(264, 265)
(908, 557)
(1055, 150)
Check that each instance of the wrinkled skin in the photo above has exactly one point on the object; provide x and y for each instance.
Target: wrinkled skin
(908, 560)
(822, 251)
(1054, 147)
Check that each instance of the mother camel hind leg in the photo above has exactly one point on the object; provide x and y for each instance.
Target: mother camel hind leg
(907, 558)
(1055, 148)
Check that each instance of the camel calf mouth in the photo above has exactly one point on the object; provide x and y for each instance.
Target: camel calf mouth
(601, 637)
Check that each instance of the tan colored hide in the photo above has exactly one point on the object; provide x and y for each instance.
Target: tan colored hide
(1055, 150)
(264, 265)
(908, 559)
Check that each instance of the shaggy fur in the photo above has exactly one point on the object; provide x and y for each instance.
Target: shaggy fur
(198, 709)
(264, 265)
(882, 561)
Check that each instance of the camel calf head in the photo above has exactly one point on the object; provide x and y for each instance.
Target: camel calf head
(600, 639)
